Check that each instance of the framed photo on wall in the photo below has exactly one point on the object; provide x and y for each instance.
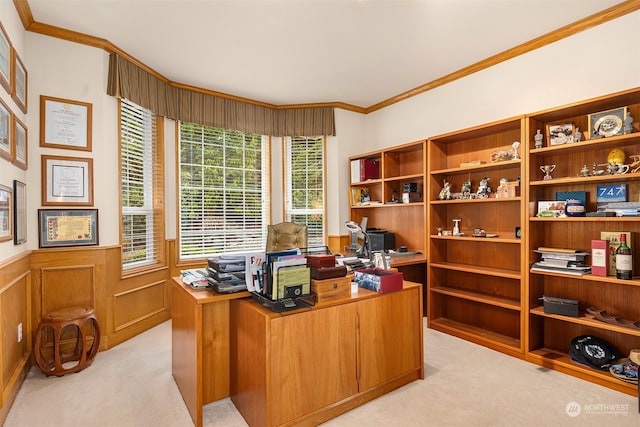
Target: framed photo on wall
(6, 144)
(67, 181)
(5, 60)
(20, 146)
(19, 83)
(65, 123)
(6, 219)
(67, 227)
(19, 212)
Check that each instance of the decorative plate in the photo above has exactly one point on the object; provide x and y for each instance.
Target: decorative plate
(608, 125)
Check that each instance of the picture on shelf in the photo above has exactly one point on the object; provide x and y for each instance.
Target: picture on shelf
(607, 123)
(560, 134)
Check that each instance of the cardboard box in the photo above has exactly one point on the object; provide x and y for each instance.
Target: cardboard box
(330, 289)
(599, 258)
(378, 280)
(613, 237)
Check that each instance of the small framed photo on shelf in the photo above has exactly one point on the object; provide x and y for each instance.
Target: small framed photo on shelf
(67, 181)
(560, 134)
(65, 123)
(5, 60)
(6, 144)
(19, 82)
(6, 219)
(607, 123)
(19, 212)
(67, 227)
(20, 142)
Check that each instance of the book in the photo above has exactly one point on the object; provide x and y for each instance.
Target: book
(599, 257)
(364, 170)
(613, 237)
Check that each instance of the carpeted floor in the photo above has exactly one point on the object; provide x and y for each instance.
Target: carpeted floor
(465, 385)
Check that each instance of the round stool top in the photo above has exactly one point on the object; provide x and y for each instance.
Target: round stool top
(69, 313)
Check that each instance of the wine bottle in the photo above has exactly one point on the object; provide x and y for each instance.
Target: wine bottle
(624, 262)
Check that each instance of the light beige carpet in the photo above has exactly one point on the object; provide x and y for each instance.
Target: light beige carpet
(465, 385)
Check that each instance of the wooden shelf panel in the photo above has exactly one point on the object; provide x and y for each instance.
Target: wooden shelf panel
(487, 271)
(587, 219)
(484, 166)
(587, 320)
(581, 180)
(478, 297)
(367, 182)
(416, 176)
(387, 205)
(473, 332)
(592, 278)
(478, 239)
(588, 144)
(487, 200)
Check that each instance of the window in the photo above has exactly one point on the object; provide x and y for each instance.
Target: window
(304, 186)
(224, 191)
(142, 187)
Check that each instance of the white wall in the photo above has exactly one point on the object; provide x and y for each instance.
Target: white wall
(596, 62)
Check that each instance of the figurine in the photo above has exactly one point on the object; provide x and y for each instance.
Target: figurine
(445, 193)
(466, 190)
(538, 137)
(515, 147)
(577, 135)
(584, 171)
(456, 227)
(635, 163)
(627, 125)
(483, 189)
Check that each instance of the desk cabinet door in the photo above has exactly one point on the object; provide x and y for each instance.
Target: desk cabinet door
(389, 337)
(313, 356)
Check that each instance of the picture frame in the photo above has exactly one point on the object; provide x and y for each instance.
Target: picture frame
(67, 181)
(19, 81)
(6, 133)
(6, 216)
(607, 123)
(65, 123)
(559, 134)
(5, 60)
(19, 212)
(20, 144)
(67, 227)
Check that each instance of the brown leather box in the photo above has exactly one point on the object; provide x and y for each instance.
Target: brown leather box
(330, 289)
(322, 273)
(321, 260)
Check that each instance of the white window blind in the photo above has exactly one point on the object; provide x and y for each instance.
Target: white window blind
(304, 186)
(141, 238)
(224, 191)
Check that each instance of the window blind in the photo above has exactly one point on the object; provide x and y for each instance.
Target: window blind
(304, 186)
(224, 191)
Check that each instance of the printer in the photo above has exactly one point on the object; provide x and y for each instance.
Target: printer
(381, 240)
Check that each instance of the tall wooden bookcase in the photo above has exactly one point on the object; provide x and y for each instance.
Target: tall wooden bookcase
(475, 284)
(549, 335)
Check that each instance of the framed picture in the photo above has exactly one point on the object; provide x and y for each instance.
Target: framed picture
(65, 123)
(5, 60)
(560, 134)
(67, 227)
(6, 144)
(19, 83)
(19, 143)
(607, 123)
(19, 212)
(67, 181)
(6, 220)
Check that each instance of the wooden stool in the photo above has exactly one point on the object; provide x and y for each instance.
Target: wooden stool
(60, 322)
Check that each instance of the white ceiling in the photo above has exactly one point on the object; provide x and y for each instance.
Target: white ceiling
(360, 52)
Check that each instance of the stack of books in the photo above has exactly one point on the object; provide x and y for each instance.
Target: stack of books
(557, 260)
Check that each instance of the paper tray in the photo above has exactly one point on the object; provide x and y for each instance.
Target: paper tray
(286, 304)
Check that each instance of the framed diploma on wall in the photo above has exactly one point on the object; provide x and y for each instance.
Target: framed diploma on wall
(67, 181)
(65, 123)
(5, 60)
(67, 227)
(19, 81)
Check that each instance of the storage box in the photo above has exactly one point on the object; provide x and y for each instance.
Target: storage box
(323, 260)
(330, 289)
(379, 280)
(599, 257)
(562, 306)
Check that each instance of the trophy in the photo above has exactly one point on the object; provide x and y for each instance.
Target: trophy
(547, 169)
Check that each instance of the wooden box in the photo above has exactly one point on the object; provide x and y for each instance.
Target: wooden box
(329, 289)
(379, 280)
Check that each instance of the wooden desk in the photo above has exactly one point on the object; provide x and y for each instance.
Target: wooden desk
(200, 345)
(308, 366)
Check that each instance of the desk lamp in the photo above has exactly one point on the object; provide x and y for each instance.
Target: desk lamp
(363, 251)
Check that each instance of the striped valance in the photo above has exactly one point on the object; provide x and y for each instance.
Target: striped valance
(128, 80)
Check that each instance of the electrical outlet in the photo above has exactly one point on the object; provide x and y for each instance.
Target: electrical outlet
(19, 332)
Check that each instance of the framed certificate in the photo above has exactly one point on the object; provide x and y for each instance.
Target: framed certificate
(5, 60)
(19, 212)
(19, 82)
(6, 144)
(19, 144)
(6, 220)
(67, 227)
(67, 181)
(65, 123)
